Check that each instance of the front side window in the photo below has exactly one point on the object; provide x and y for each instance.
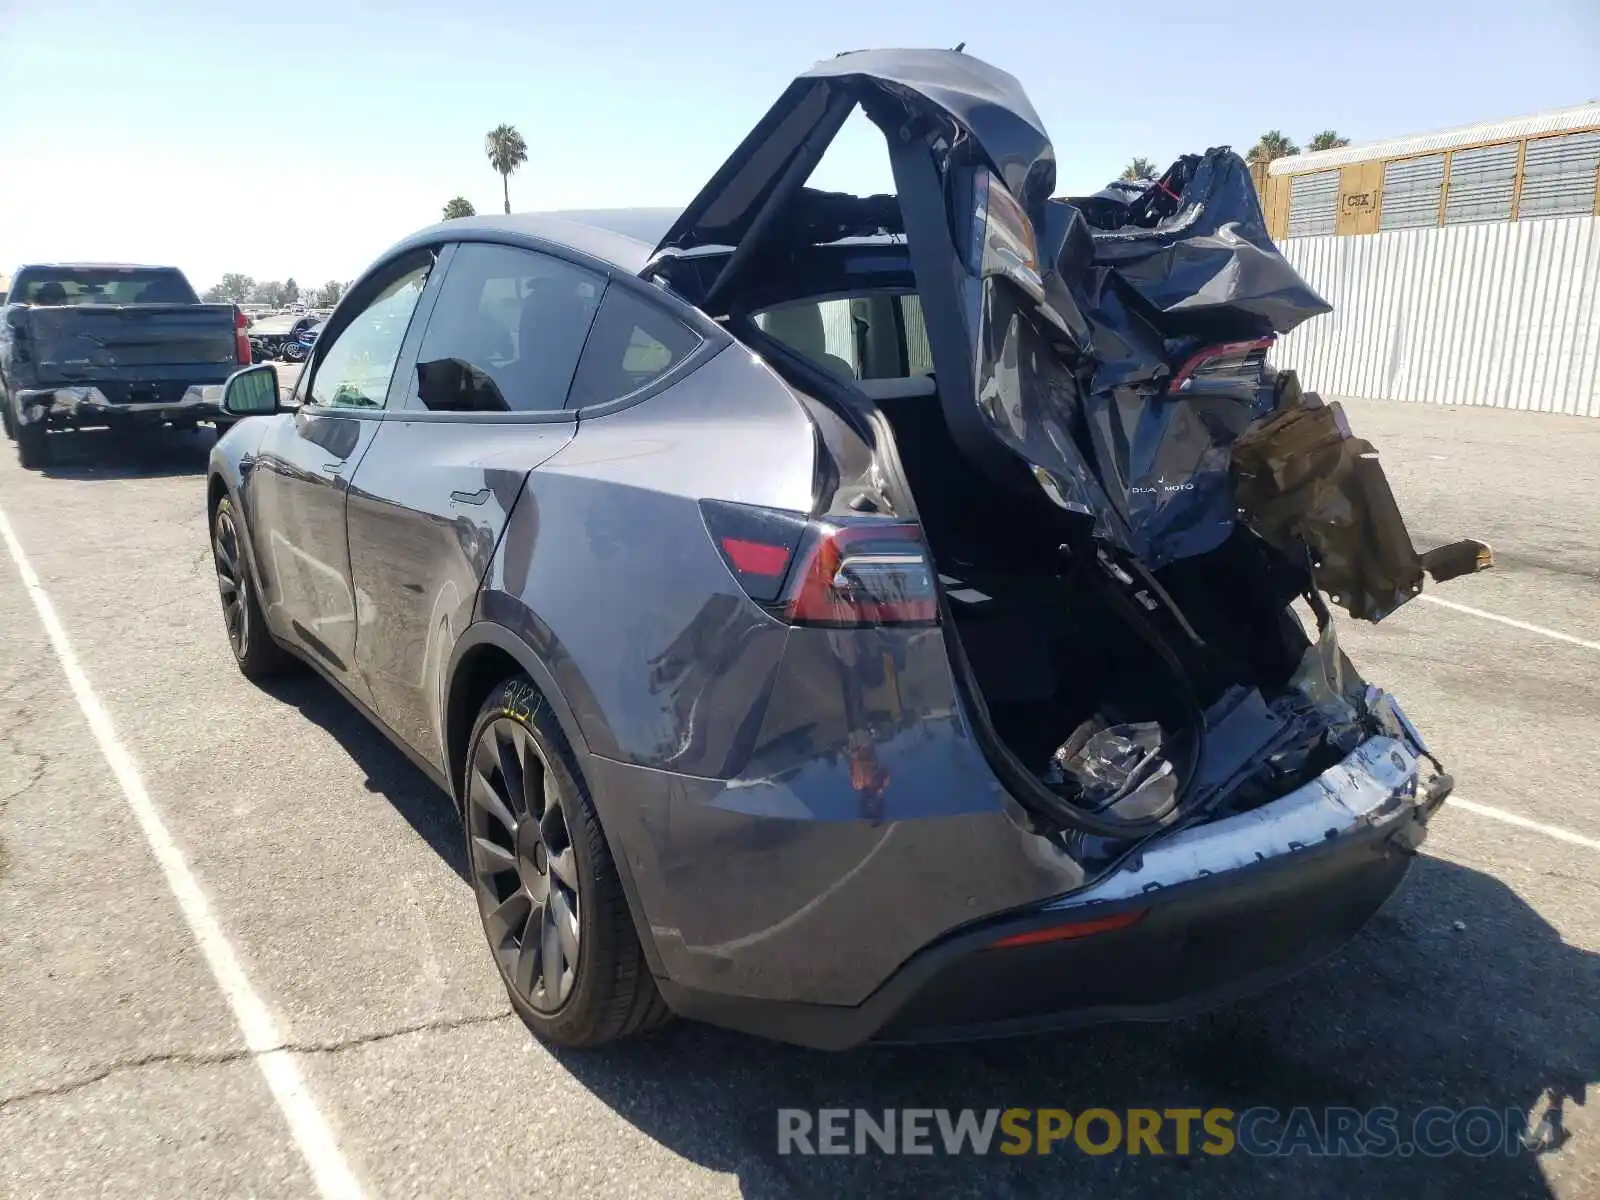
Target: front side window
(507, 330)
(355, 370)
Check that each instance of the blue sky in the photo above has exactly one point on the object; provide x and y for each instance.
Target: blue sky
(301, 139)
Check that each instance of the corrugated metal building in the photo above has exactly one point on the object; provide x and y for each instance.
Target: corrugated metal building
(1463, 265)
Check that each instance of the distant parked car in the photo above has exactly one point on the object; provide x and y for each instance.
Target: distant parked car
(85, 345)
(779, 598)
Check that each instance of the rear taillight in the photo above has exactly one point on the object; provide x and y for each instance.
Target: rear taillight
(845, 573)
(241, 339)
(17, 320)
(1003, 238)
(863, 573)
(1226, 364)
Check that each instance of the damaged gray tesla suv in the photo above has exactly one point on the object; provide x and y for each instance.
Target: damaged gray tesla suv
(853, 618)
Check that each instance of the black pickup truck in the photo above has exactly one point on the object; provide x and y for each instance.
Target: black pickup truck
(85, 345)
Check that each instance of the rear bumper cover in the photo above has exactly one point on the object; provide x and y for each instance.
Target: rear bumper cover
(1229, 908)
(82, 405)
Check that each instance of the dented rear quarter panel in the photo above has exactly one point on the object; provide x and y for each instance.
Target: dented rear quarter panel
(771, 790)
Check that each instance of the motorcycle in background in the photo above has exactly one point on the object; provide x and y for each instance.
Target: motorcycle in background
(297, 346)
(293, 345)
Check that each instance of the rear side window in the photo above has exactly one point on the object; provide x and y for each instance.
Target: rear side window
(56, 286)
(518, 317)
(633, 343)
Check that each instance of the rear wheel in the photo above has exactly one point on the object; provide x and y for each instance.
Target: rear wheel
(548, 892)
(33, 446)
(254, 650)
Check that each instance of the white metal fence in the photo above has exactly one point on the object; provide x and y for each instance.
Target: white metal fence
(1505, 314)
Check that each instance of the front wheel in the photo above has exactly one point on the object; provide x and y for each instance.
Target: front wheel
(548, 892)
(253, 648)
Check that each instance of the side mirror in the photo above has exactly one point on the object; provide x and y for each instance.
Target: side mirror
(451, 385)
(252, 392)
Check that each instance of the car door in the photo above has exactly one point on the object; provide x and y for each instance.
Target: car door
(484, 402)
(304, 465)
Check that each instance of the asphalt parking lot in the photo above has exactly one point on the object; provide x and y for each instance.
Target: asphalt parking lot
(332, 871)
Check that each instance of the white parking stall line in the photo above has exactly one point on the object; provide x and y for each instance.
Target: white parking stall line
(1511, 818)
(1556, 634)
(312, 1135)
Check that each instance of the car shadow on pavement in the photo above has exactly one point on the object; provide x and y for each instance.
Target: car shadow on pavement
(93, 454)
(1418, 1012)
(389, 772)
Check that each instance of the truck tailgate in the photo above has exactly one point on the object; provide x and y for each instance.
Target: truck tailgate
(87, 342)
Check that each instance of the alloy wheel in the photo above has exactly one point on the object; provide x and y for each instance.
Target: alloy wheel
(232, 581)
(524, 870)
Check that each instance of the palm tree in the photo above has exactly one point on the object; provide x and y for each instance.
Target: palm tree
(1139, 168)
(1328, 140)
(459, 207)
(1272, 145)
(507, 151)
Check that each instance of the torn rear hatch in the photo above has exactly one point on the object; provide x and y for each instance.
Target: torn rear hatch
(1110, 351)
(1099, 374)
(985, 105)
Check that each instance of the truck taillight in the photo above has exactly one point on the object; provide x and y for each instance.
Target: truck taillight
(241, 339)
(841, 573)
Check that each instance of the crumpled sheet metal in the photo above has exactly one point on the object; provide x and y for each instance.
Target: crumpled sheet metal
(1145, 274)
(1308, 486)
(1141, 279)
(1209, 268)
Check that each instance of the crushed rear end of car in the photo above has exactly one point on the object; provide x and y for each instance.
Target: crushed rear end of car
(1061, 730)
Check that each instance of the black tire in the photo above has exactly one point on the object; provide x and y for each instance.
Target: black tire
(33, 446)
(518, 761)
(258, 655)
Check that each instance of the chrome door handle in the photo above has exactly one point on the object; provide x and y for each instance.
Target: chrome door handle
(333, 468)
(478, 497)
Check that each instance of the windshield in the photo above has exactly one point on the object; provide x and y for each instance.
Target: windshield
(101, 285)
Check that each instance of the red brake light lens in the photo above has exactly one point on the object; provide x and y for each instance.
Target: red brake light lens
(1071, 930)
(758, 544)
(756, 558)
(241, 339)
